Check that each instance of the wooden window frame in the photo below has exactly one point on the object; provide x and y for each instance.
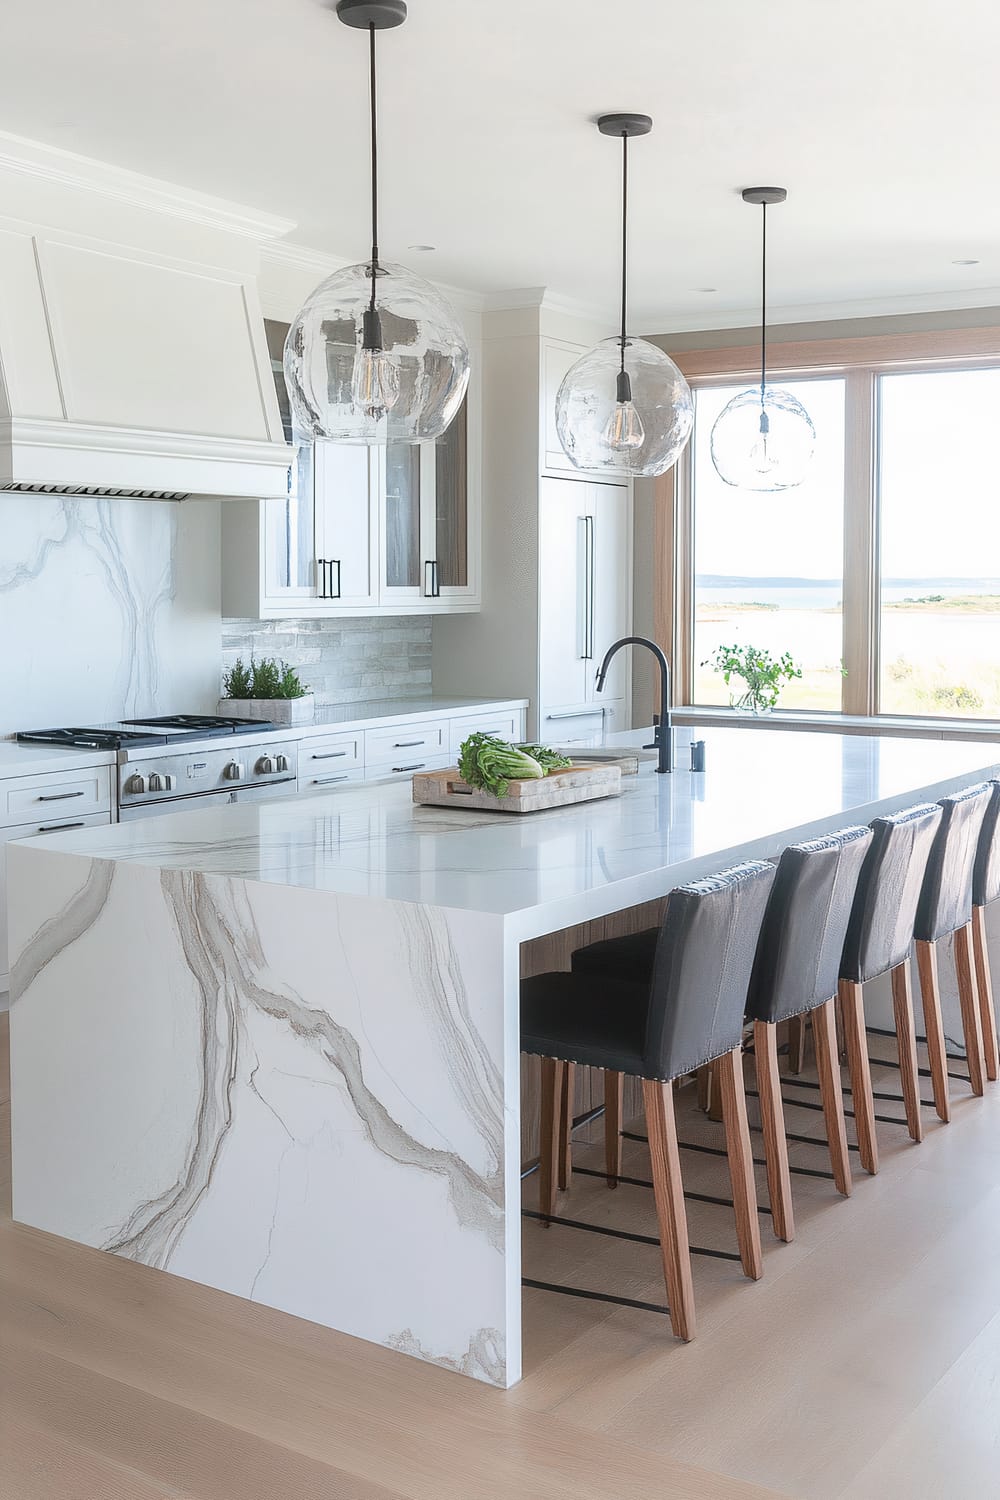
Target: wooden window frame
(859, 362)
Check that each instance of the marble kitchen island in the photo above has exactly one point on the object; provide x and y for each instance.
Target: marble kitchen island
(273, 1047)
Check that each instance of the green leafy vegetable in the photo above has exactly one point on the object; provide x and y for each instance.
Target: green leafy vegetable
(549, 760)
(490, 763)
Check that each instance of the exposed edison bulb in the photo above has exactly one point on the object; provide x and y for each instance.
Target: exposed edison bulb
(375, 382)
(624, 429)
(375, 378)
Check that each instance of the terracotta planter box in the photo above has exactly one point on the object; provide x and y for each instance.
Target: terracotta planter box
(278, 710)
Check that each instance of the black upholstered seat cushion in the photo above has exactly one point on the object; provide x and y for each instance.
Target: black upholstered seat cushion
(946, 896)
(585, 1018)
(628, 957)
(986, 875)
(880, 932)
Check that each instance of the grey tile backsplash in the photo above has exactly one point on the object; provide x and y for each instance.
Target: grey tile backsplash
(341, 661)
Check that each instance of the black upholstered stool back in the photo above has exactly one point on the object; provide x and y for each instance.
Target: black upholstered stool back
(880, 932)
(702, 967)
(986, 871)
(946, 896)
(802, 940)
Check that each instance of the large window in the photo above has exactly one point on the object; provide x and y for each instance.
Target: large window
(939, 548)
(880, 574)
(769, 567)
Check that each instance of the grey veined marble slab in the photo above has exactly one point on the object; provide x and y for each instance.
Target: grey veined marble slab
(274, 1047)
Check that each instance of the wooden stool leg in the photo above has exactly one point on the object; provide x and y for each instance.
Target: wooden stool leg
(906, 1047)
(796, 1044)
(984, 988)
(969, 1001)
(852, 1010)
(729, 1071)
(704, 1076)
(567, 1094)
(548, 1145)
(824, 1030)
(779, 1182)
(668, 1190)
(613, 1090)
(714, 1110)
(930, 999)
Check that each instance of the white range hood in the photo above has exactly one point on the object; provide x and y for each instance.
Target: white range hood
(132, 351)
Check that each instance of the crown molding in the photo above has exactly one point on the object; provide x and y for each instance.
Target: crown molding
(67, 169)
(543, 297)
(662, 321)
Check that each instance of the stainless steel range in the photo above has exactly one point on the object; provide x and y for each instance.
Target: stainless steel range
(187, 760)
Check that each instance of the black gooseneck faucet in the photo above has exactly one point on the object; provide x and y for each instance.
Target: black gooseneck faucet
(663, 735)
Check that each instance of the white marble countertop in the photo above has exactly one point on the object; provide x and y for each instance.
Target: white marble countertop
(379, 711)
(551, 869)
(41, 760)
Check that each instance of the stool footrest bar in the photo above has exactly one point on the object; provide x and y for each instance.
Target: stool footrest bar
(644, 1182)
(579, 1291)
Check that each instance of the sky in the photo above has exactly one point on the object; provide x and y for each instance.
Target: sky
(940, 485)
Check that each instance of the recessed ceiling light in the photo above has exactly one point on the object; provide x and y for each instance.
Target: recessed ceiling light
(421, 247)
(965, 262)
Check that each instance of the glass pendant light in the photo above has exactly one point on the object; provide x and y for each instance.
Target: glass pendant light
(376, 354)
(764, 438)
(624, 405)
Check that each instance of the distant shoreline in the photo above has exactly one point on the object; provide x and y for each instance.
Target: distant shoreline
(738, 580)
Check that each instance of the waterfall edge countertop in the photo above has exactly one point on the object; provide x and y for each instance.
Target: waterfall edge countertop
(567, 865)
(274, 1047)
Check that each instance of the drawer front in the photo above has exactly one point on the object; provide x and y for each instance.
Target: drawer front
(57, 798)
(329, 754)
(404, 768)
(506, 726)
(569, 726)
(328, 775)
(407, 742)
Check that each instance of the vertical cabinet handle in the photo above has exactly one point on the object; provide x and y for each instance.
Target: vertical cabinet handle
(334, 563)
(432, 586)
(324, 577)
(585, 587)
(321, 577)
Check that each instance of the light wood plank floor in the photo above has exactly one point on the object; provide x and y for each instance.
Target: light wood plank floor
(866, 1363)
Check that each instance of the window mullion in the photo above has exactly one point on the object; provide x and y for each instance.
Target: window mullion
(860, 546)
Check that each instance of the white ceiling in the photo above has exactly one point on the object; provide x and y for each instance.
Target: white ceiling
(879, 116)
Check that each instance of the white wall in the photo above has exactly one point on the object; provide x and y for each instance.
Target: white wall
(107, 608)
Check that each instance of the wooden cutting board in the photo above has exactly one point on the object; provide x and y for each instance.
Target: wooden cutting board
(558, 789)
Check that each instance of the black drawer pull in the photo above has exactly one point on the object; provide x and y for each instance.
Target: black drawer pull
(58, 827)
(330, 755)
(58, 796)
(397, 770)
(408, 744)
(326, 780)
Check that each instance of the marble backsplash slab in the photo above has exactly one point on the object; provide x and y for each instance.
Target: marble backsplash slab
(107, 608)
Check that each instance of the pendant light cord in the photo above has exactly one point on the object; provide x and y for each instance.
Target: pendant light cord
(374, 136)
(624, 237)
(763, 300)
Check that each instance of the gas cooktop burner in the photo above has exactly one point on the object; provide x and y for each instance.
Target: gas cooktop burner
(171, 729)
(203, 723)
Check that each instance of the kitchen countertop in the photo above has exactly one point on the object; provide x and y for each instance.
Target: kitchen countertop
(42, 760)
(366, 715)
(566, 865)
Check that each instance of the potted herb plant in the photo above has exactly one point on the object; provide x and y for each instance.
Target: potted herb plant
(760, 674)
(266, 689)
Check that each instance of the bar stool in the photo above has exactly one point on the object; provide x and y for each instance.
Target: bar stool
(985, 889)
(796, 972)
(944, 909)
(686, 1011)
(879, 939)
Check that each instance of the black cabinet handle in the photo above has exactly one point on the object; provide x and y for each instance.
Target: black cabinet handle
(58, 796)
(407, 744)
(326, 780)
(58, 827)
(321, 577)
(432, 589)
(334, 563)
(330, 755)
(397, 770)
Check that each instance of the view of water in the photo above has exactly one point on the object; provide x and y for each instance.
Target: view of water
(807, 595)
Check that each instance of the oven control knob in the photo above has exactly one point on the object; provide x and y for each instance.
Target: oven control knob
(155, 781)
(234, 771)
(264, 766)
(169, 782)
(281, 762)
(135, 785)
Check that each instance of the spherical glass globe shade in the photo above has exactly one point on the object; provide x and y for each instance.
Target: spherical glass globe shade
(750, 459)
(421, 336)
(587, 420)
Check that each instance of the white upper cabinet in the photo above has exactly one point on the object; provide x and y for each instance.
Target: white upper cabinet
(390, 530)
